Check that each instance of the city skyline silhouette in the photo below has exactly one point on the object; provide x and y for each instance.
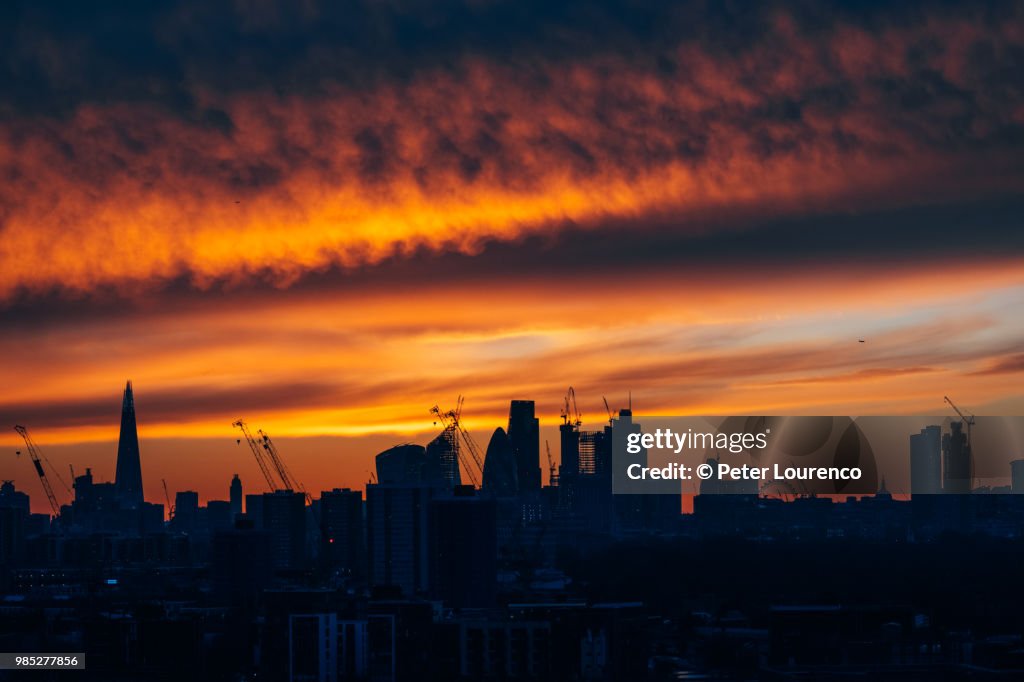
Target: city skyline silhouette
(323, 327)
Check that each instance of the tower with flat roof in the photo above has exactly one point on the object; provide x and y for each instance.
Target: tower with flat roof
(524, 437)
(926, 461)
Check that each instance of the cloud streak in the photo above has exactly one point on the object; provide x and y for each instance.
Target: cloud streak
(257, 182)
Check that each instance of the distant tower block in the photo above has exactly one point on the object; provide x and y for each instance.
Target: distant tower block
(236, 496)
(524, 437)
(128, 479)
(1017, 476)
(926, 461)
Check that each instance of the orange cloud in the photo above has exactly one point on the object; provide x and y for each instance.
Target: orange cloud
(125, 194)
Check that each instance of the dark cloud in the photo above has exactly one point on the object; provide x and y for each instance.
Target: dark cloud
(198, 402)
(128, 134)
(57, 55)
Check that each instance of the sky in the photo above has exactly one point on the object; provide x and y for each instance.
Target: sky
(326, 219)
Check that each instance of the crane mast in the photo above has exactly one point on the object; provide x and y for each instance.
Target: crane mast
(452, 420)
(608, 409)
(257, 452)
(37, 462)
(167, 496)
(968, 420)
(282, 469)
(275, 459)
(552, 473)
(570, 412)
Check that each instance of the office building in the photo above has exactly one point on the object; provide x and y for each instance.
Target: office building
(524, 437)
(398, 525)
(186, 511)
(501, 473)
(956, 460)
(1017, 476)
(343, 545)
(284, 517)
(926, 461)
(464, 550)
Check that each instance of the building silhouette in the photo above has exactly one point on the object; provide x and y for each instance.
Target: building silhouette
(644, 512)
(445, 451)
(216, 515)
(500, 467)
(464, 549)
(186, 511)
(11, 498)
(343, 543)
(398, 525)
(1017, 476)
(241, 563)
(235, 496)
(926, 461)
(97, 506)
(128, 477)
(14, 515)
(956, 460)
(284, 517)
(569, 463)
(328, 647)
(428, 581)
(524, 437)
(409, 464)
(254, 509)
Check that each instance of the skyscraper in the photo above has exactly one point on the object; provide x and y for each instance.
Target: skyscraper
(343, 543)
(926, 461)
(128, 477)
(445, 451)
(284, 516)
(236, 496)
(186, 511)
(956, 460)
(570, 451)
(524, 436)
(1017, 476)
(500, 467)
(464, 550)
(398, 525)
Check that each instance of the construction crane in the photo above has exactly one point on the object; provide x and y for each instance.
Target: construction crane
(608, 409)
(968, 420)
(257, 452)
(37, 461)
(452, 419)
(552, 474)
(282, 469)
(450, 422)
(275, 459)
(570, 412)
(167, 496)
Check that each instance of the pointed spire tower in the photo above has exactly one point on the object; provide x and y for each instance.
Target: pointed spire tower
(128, 479)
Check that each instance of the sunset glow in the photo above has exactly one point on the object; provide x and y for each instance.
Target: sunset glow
(710, 233)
